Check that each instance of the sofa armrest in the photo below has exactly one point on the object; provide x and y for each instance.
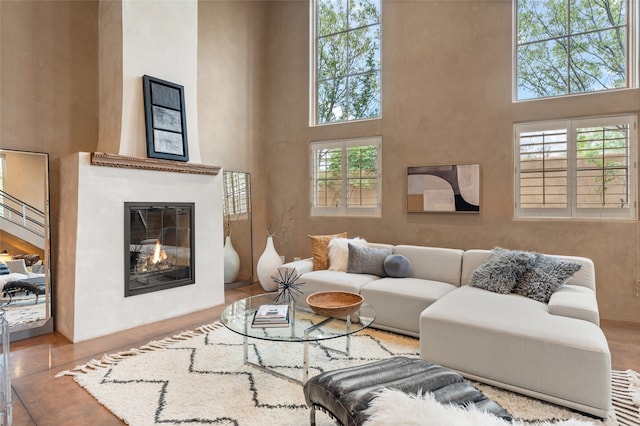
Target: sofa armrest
(301, 266)
(575, 301)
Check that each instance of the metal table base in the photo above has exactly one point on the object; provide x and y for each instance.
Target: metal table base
(305, 357)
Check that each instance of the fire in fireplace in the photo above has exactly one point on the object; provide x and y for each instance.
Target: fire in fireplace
(159, 249)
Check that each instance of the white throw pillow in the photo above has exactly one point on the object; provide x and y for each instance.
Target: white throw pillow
(339, 252)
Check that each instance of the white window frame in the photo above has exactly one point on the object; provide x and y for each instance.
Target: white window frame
(571, 211)
(313, 68)
(343, 209)
(632, 56)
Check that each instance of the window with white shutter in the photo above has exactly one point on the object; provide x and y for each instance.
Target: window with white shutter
(345, 177)
(577, 168)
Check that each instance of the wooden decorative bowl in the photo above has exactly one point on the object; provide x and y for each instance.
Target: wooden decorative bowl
(334, 303)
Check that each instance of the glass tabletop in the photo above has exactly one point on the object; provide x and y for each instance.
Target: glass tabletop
(304, 324)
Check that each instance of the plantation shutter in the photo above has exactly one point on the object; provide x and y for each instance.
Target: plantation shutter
(345, 177)
(576, 168)
(543, 170)
(602, 165)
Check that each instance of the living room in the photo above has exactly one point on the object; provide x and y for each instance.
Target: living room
(446, 99)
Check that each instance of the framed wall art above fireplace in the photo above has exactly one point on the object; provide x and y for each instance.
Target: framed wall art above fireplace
(166, 122)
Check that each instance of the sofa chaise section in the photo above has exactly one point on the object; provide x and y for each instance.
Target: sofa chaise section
(515, 343)
(555, 352)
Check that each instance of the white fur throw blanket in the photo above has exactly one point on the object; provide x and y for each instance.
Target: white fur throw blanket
(394, 407)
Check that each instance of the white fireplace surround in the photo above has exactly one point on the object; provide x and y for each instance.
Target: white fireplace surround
(89, 294)
(136, 38)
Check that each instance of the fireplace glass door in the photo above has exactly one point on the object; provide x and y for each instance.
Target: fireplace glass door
(159, 249)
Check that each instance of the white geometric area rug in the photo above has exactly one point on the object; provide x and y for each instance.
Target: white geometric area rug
(198, 377)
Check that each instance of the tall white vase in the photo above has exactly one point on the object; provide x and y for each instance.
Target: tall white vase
(231, 262)
(268, 265)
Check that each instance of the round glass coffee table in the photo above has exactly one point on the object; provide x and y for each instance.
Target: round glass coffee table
(305, 326)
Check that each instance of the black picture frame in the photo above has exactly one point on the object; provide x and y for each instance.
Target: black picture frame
(166, 120)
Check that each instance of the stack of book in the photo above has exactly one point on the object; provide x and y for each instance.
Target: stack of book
(271, 316)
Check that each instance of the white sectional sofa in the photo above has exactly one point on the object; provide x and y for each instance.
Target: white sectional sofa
(553, 351)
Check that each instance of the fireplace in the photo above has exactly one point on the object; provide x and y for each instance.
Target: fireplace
(90, 277)
(159, 246)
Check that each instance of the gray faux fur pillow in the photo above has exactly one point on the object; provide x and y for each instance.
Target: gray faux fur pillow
(503, 270)
(545, 278)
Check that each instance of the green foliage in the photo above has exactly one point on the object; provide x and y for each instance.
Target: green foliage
(570, 46)
(348, 60)
(361, 170)
(361, 161)
(606, 150)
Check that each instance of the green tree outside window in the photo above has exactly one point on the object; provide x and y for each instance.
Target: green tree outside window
(570, 46)
(347, 49)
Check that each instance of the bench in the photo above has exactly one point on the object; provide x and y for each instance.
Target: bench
(34, 285)
(345, 394)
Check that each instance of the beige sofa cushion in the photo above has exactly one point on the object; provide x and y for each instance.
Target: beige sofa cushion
(433, 263)
(471, 260)
(575, 301)
(399, 301)
(327, 280)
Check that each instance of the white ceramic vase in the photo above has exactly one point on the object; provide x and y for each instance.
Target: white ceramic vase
(268, 265)
(231, 261)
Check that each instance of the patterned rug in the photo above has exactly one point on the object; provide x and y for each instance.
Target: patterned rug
(24, 310)
(198, 377)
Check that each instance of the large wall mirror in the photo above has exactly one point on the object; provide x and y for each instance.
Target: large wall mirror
(238, 244)
(25, 266)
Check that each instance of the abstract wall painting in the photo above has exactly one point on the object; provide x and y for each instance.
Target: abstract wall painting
(454, 188)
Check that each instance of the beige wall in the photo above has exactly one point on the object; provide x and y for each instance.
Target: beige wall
(49, 76)
(231, 97)
(49, 84)
(446, 100)
(160, 39)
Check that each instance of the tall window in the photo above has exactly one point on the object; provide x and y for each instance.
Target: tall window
(345, 179)
(345, 60)
(577, 168)
(565, 47)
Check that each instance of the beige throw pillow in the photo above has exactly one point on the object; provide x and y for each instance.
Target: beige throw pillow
(320, 249)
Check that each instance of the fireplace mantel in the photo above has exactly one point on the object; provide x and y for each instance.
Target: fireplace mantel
(120, 161)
